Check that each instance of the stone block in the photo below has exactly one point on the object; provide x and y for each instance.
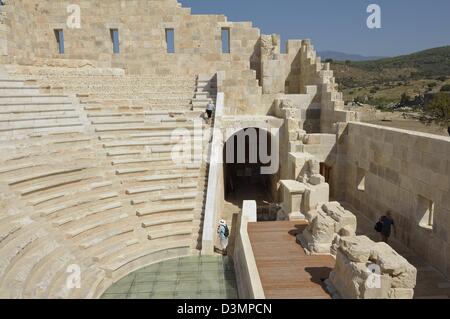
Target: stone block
(316, 194)
(293, 193)
(345, 220)
(316, 179)
(356, 249)
(401, 293)
(368, 270)
(319, 234)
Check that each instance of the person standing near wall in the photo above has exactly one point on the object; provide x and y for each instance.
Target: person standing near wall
(209, 110)
(384, 226)
(224, 233)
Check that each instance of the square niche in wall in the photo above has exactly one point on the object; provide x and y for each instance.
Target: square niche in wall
(425, 212)
(361, 180)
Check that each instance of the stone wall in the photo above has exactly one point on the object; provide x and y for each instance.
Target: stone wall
(141, 26)
(253, 67)
(247, 276)
(406, 172)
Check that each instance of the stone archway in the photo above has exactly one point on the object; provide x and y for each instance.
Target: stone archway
(251, 170)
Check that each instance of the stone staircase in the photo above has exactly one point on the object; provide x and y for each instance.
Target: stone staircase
(91, 182)
(206, 91)
(331, 99)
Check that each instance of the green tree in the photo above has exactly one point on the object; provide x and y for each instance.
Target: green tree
(404, 99)
(445, 88)
(437, 111)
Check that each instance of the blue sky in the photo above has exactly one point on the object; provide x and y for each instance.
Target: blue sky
(340, 25)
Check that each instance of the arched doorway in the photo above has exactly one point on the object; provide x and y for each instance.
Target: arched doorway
(251, 171)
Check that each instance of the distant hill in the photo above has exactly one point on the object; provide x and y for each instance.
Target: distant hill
(432, 63)
(340, 56)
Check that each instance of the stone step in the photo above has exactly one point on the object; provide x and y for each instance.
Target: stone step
(164, 209)
(120, 261)
(27, 99)
(181, 231)
(168, 220)
(19, 90)
(11, 83)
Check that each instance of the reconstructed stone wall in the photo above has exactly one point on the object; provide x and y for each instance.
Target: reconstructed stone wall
(253, 67)
(141, 26)
(406, 172)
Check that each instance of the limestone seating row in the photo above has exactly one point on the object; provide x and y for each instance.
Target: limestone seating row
(151, 210)
(16, 245)
(41, 252)
(13, 83)
(125, 127)
(90, 211)
(105, 220)
(74, 202)
(12, 90)
(20, 254)
(153, 189)
(173, 103)
(87, 209)
(182, 231)
(126, 257)
(24, 108)
(103, 236)
(39, 281)
(111, 248)
(181, 194)
(22, 98)
(53, 182)
(135, 176)
(39, 109)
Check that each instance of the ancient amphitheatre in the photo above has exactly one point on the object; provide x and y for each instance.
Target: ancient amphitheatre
(90, 194)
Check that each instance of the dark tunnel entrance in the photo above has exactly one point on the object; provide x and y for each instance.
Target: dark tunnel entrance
(248, 171)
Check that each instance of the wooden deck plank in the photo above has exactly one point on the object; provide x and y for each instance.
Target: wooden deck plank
(284, 268)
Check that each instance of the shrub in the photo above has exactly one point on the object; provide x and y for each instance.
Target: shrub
(437, 110)
(445, 88)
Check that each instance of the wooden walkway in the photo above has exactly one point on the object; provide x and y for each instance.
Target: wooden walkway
(285, 270)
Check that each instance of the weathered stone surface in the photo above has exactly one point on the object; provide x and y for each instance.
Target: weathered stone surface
(403, 273)
(344, 218)
(327, 224)
(368, 270)
(357, 249)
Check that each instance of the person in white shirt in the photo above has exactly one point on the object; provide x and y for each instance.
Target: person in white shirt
(209, 110)
(224, 233)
